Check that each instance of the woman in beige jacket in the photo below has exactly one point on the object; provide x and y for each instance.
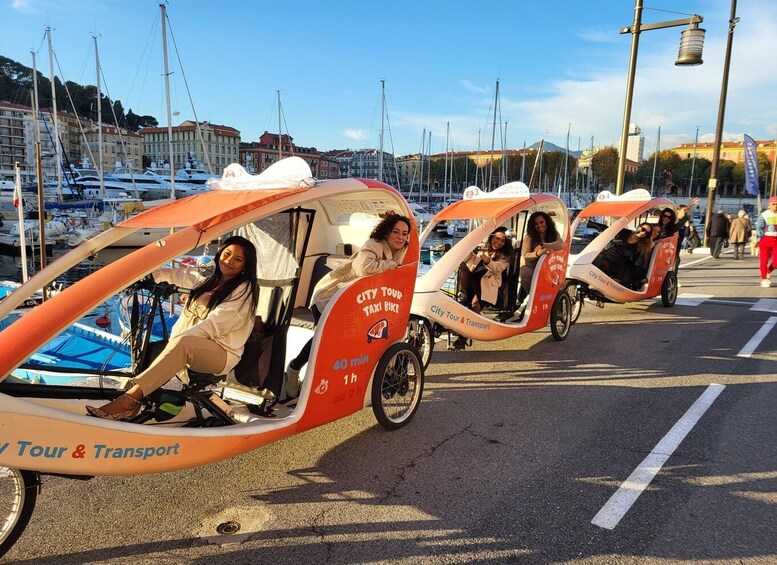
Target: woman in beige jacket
(739, 234)
(210, 334)
(480, 276)
(385, 250)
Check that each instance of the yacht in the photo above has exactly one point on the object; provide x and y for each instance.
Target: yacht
(88, 180)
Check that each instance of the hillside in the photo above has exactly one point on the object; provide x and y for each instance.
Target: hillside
(16, 87)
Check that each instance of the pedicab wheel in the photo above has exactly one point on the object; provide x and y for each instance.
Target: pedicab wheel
(419, 335)
(576, 301)
(18, 492)
(561, 316)
(397, 386)
(669, 289)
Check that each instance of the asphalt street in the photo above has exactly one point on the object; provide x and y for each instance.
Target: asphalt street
(518, 445)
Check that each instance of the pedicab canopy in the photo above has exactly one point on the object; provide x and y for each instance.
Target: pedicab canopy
(290, 176)
(631, 204)
(480, 204)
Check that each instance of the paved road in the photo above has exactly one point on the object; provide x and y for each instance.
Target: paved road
(517, 447)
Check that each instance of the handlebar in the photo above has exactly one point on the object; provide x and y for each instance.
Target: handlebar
(162, 289)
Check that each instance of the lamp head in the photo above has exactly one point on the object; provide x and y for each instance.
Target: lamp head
(691, 46)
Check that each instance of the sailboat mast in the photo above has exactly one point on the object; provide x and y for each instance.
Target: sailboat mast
(167, 96)
(447, 144)
(99, 120)
(421, 175)
(655, 161)
(537, 160)
(493, 139)
(503, 178)
(477, 163)
(382, 118)
(693, 163)
(280, 130)
(36, 127)
(429, 169)
(20, 211)
(523, 160)
(566, 164)
(57, 149)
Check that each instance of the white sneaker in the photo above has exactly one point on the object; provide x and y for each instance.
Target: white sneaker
(518, 314)
(292, 382)
(766, 283)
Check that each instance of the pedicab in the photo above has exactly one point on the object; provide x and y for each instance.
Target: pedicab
(358, 358)
(437, 309)
(610, 214)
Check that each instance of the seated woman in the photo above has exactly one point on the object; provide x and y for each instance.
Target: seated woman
(541, 238)
(211, 332)
(480, 276)
(624, 258)
(692, 239)
(384, 250)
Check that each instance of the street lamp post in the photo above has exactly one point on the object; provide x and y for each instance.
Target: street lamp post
(691, 45)
(712, 185)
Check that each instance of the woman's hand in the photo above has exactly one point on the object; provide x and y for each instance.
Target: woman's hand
(539, 250)
(485, 257)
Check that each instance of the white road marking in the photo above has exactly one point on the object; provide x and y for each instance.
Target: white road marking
(690, 299)
(759, 336)
(731, 302)
(695, 261)
(623, 499)
(765, 305)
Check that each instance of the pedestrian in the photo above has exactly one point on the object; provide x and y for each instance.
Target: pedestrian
(692, 239)
(739, 233)
(766, 234)
(717, 233)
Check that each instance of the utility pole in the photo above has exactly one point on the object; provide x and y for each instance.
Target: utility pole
(712, 186)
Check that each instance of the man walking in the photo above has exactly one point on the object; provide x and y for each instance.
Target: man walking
(766, 235)
(739, 233)
(717, 233)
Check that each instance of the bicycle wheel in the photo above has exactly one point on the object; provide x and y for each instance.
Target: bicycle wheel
(397, 386)
(419, 335)
(576, 299)
(560, 316)
(18, 493)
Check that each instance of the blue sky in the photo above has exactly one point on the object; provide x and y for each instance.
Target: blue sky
(558, 62)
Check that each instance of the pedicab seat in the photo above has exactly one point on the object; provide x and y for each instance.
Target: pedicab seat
(301, 317)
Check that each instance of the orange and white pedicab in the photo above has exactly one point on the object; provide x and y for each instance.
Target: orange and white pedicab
(436, 311)
(358, 358)
(612, 214)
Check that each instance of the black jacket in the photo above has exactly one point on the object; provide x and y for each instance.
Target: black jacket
(718, 226)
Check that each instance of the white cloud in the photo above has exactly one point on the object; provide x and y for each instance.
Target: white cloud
(356, 134)
(472, 88)
(22, 5)
(598, 36)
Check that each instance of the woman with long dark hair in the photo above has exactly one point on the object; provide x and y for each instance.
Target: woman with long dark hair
(210, 334)
(384, 250)
(480, 276)
(541, 238)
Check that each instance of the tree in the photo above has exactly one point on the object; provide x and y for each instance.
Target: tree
(605, 166)
(665, 167)
(701, 175)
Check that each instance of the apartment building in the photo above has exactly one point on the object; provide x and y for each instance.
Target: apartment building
(256, 156)
(221, 145)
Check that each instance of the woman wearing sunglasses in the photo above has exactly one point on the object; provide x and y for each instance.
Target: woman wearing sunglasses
(624, 258)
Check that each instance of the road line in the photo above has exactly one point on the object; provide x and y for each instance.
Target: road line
(623, 499)
(696, 261)
(759, 336)
(731, 302)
